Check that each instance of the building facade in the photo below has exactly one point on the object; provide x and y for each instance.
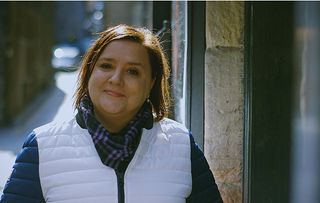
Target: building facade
(26, 56)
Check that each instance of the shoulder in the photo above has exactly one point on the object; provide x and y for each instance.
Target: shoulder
(56, 128)
(172, 131)
(170, 126)
(56, 134)
(169, 133)
(25, 173)
(29, 152)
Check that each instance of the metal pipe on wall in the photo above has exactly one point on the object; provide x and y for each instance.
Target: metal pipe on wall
(305, 181)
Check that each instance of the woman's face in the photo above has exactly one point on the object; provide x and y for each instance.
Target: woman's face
(120, 81)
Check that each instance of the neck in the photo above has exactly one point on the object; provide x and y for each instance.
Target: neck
(113, 124)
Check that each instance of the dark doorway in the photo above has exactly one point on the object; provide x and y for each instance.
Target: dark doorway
(268, 101)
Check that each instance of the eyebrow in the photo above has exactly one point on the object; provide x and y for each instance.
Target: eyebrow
(113, 60)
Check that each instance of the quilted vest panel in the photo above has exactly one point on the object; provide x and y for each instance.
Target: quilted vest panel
(71, 171)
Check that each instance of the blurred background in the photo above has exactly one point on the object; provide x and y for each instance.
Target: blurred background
(245, 80)
(42, 44)
(42, 38)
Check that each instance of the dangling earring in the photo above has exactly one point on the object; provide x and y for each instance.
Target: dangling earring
(149, 102)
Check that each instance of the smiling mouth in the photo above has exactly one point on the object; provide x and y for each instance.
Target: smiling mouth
(114, 94)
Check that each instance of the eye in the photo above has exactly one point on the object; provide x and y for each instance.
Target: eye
(105, 65)
(133, 71)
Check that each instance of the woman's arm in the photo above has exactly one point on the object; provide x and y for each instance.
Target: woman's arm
(23, 184)
(204, 188)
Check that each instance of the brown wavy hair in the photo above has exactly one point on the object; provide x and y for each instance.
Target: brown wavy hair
(159, 95)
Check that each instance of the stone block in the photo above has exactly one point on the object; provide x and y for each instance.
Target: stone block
(224, 79)
(231, 194)
(224, 24)
(224, 103)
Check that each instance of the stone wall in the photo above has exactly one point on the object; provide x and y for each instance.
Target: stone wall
(27, 55)
(224, 96)
(3, 35)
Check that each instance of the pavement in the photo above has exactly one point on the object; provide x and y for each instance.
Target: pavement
(55, 103)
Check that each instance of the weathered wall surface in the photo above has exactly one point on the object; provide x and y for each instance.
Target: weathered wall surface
(26, 48)
(224, 96)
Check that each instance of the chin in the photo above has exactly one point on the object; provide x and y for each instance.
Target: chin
(112, 109)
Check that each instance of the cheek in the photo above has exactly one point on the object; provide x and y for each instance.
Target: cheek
(92, 83)
(138, 89)
(90, 90)
(147, 89)
(89, 85)
(95, 79)
(91, 80)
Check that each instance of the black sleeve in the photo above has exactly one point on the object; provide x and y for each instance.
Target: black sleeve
(23, 184)
(204, 188)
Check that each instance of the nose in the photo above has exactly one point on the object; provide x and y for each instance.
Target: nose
(116, 77)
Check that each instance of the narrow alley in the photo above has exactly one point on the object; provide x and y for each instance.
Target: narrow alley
(53, 104)
(244, 79)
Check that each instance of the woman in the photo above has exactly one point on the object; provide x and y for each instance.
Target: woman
(120, 147)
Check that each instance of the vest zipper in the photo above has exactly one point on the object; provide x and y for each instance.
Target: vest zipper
(120, 180)
(121, 174)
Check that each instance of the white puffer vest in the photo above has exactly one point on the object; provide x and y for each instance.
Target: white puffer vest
(70, 169)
